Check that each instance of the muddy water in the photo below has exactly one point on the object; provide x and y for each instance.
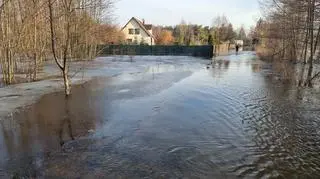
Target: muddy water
(173, 118)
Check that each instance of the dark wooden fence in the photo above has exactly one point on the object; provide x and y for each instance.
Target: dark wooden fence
(205, 51)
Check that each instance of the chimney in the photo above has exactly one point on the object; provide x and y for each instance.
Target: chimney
(143, 21)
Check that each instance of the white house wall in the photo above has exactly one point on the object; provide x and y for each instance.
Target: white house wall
(143, 35)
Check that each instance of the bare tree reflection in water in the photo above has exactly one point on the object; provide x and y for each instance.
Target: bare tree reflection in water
(219, 67)
(17, 154)
(256, 68)
(66, 123)
(246, 126)
(219, 63)
(283, 127)
(283, 73)
(7, 134)
(29, 137)
(301, 76)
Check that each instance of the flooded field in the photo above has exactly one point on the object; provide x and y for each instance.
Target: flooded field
(168, 117)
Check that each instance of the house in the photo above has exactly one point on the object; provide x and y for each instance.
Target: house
(137, 32)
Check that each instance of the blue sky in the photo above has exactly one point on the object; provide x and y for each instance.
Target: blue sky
(170, 12)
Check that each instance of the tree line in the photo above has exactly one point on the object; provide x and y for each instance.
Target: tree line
(192, 34)
(32, 31)
(221, 31)
(291, 31)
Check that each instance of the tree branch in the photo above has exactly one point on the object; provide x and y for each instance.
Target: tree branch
(53, 39)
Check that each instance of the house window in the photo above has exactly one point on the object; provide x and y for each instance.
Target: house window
(131, 31)
(137, 31)
(129, 41)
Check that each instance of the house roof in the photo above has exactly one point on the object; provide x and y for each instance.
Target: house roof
(148, 26)
(145, 27)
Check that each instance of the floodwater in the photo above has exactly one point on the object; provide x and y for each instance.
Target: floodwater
(169, 118)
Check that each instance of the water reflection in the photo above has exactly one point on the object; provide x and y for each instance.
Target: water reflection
(172, 120)
(66, 123)
(277, 120)
(256, 67)
(32, 134)
(221, 64)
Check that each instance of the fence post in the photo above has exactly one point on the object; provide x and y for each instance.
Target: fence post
(212, 51)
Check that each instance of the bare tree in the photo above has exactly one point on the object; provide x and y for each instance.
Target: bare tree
(291, 31)
(34, 30)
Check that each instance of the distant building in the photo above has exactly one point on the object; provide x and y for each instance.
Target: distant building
(137, 32)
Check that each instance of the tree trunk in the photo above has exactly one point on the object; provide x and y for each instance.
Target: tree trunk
(63, 67)
(35, 67)
(310, 70)
(317, 41)
(301, 79)
(66, 81)
(307, 33)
